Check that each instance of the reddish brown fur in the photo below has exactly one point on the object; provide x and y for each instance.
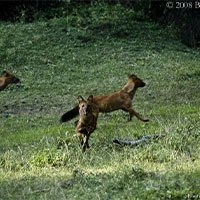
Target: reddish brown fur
(7, 79)
(121, 99)
(115, 101)
(88, 114)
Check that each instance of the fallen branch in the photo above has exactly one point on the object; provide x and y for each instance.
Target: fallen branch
(134, 143)
(41, 190)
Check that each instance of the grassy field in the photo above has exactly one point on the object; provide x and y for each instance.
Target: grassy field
(58, 60)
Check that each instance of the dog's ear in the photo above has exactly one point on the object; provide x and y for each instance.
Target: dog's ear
(80, 98)
(132, 75)
(90, 98)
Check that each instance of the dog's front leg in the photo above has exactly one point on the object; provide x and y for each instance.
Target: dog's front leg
(133, 112)
(85, 143)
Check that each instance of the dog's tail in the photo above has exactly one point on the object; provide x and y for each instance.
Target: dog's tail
(69, 115)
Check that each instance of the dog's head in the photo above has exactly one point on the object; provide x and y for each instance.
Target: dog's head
(138, 82)
(85, 106)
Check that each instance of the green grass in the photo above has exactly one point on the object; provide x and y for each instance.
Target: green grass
(58, 60)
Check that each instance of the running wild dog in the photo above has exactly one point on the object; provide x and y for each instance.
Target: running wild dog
(88, 114)
(7, 79)
(114, 101)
